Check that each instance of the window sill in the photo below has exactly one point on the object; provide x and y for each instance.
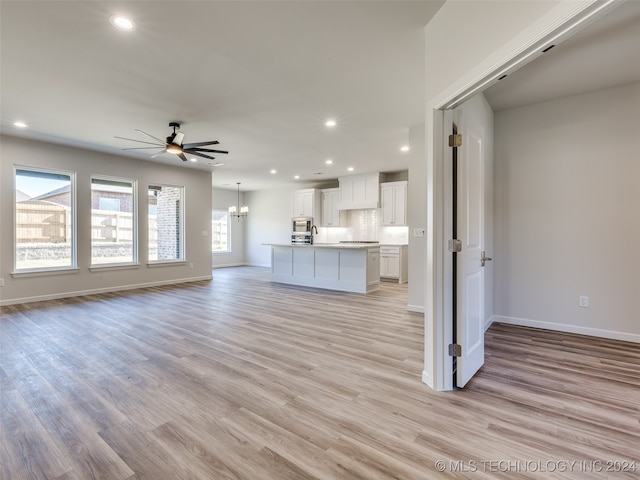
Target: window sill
(114, 266)
(44, 272)
(166, 263)
(221, 253)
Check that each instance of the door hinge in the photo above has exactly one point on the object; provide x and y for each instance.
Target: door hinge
(455, 140)
(455, 350)
(455, 245)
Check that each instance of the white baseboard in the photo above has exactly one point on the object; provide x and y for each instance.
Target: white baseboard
(489, 321)
(561, 327)
(118, 288)
(415, 308)
(426, 379)
(226, 265)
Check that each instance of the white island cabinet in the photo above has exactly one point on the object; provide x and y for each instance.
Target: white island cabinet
(348, 268)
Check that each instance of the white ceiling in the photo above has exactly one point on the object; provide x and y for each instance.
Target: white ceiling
(602, 55)
(261, 77)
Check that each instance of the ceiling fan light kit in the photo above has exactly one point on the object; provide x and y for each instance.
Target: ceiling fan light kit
(174, 144)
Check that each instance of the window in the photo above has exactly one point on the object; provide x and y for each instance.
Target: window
(44, 229)
(113, 221)
(220, 232)
(166, 223)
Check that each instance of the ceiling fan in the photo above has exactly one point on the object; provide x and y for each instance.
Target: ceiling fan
(174, 145)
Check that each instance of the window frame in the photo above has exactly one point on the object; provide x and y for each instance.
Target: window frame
(73, 230)
(228, 233)
(181, 230)
(134, 222)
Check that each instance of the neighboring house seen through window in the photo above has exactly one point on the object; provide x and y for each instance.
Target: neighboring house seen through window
(45, 232)
(221, 234)
(113, 221)
(166, 223)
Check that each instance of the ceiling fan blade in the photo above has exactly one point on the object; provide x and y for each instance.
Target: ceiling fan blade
(182, 156)
(145, 133)
(157, 154)
(141, 141)
(206, 150)
(200, 144)
(141, 148)
(177, 139)
(193, 152)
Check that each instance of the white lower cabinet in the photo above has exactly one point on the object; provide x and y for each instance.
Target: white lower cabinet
(394, 263)
(334, 267)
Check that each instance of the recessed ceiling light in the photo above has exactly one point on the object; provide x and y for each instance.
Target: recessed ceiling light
(122, 23)
(297, 177)
(404, 148)
(350, 169)
(273, 171)
(330, 123)
(20, 124)
(329, 161)
(193, 159)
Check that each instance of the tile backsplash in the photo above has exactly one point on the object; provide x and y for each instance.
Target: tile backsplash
(362, 225)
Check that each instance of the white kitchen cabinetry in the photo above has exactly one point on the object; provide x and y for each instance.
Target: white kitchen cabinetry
(373, 267)
(394, 263)
(348, 268)
(360, 191)
(306, 203)
(331, 207)
(394, 203)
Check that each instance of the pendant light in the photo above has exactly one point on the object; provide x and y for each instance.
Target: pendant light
(233, 209)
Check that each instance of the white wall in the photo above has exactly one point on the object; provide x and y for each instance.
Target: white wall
(567, 223)
(464, 42)
(269, 222)
(86, 163)
(222, 200)
(416, 219)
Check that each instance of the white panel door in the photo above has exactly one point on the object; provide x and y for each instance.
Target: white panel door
(470, 225)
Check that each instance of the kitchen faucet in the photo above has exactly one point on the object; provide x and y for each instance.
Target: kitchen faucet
(313, 227)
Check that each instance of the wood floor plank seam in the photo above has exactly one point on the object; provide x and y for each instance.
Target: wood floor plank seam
(239, 378)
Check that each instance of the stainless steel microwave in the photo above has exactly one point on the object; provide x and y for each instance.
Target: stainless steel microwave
(301, 225)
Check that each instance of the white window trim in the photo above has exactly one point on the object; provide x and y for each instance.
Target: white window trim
(134, 233)
(183, 239)
(73, 268)
(229, 250)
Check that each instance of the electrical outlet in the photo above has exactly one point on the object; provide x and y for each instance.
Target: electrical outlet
(583, 301)
(1, 282)
(191, 265)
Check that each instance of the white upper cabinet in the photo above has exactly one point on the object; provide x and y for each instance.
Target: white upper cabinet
(331, 207)
(394, 203)
(306, 203)
(360, 191)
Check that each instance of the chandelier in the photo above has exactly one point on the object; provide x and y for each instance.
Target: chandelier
(233, 209)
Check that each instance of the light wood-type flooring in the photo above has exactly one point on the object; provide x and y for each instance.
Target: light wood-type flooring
(239, 378)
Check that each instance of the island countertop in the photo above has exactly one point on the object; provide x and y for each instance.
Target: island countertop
(349, 267)
(328, 245)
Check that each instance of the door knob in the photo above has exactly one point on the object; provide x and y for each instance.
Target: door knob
(484, 259)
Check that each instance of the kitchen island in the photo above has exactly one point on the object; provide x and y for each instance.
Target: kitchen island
(335, 266)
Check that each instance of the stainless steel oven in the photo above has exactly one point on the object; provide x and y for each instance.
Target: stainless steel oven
(301, 238)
